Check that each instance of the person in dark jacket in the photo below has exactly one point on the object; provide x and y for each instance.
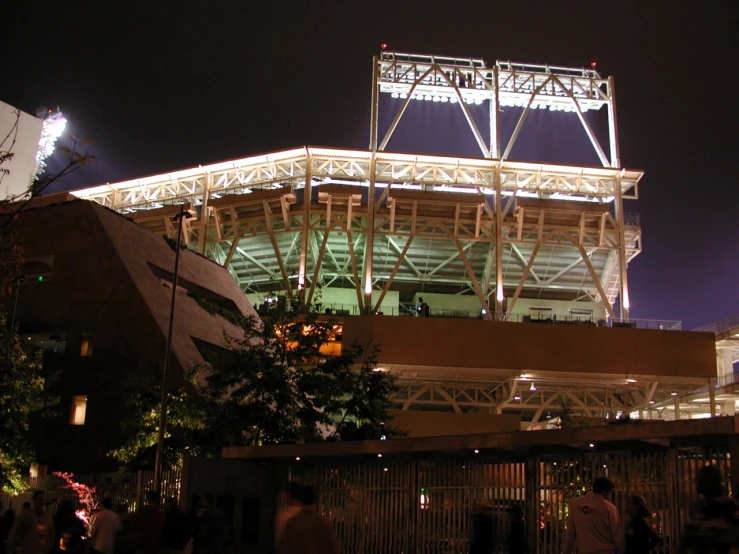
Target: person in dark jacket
(307, 532)
(69, 528)
(483, 533)
(177, 527)
(148, 524)
(517, 532)
(640, 537)
(714, 524)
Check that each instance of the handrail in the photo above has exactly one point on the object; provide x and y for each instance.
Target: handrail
(721, 325)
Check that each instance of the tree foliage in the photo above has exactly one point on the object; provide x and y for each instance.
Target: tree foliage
(88, 497)
(272, 385)
(23, 392)
(76, 155)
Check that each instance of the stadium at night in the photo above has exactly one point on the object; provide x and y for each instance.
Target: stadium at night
(507, 257)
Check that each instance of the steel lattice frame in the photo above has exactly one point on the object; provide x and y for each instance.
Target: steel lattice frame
(379, 220)
(433, 221)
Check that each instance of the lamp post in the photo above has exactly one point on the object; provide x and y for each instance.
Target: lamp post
(18, 281)
(159, 460)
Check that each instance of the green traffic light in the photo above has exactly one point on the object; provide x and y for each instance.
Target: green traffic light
(40, 277)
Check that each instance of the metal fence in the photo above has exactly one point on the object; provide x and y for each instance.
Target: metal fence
(431, 506)
(126, 490)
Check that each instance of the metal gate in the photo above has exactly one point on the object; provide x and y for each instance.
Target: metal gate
(429, 506)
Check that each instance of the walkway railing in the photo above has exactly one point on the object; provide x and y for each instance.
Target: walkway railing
(409, 310)
(721, 325)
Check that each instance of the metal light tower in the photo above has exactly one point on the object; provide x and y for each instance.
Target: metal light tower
(159, 460)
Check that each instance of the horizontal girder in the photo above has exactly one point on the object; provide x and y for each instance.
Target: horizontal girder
(287, 169)
(438, 79)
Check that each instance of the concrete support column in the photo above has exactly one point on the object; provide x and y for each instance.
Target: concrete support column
(712, 395)
(677, 408)
(305, 230)
(369, 242)
(726, 366)
(498, 245)
(622, 258)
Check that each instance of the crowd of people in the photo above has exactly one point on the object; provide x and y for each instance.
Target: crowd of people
(593, 526)
(153, 530)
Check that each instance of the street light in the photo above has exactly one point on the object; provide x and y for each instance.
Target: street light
(159, 460)
(18, 281)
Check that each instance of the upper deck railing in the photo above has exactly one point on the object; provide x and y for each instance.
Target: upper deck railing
(720, 326)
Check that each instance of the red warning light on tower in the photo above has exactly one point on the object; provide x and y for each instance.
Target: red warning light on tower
(593, 64)
(383, 45)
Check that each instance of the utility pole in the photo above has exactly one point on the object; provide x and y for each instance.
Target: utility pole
(159, 461)
(18, 280)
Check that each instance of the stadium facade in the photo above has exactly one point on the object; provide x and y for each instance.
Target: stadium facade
(505, 257)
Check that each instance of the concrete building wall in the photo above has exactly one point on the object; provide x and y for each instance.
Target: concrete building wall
(23, 165)
(471, 343)
(101, 291)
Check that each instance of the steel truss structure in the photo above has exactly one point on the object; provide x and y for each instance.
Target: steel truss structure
(378, 219)
(375, 221)
(543, 397)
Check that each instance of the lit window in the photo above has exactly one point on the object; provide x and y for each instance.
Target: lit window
(86, 347)
(79, 409)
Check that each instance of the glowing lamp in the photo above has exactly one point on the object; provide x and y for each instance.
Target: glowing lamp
(593, 64)
(383, 45)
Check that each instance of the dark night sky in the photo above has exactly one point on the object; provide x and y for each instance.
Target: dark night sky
(162, 85)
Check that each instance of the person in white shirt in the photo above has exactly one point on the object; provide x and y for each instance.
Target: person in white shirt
(105, 530)
(593, 526)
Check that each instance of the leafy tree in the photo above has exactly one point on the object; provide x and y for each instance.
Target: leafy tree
(24, 385)
(183, 419)
(272, 385)
(23, 392)
(76, 155)
(88, 497)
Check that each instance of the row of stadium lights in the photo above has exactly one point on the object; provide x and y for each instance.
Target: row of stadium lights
(479, 101)
(430, 98)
